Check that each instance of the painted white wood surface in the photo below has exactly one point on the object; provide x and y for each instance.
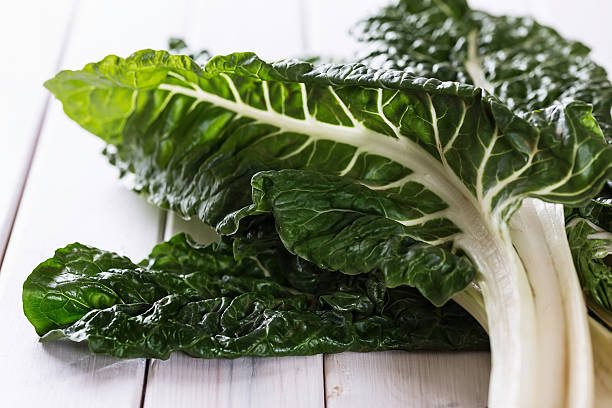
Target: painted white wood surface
(400, 379)
(29, 57)
(72, 194)
(389, 379)
(245, 382)
(68, 197)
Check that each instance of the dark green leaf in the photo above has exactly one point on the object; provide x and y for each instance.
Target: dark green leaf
(346, 227)
(529, 66)
(454, 159)
(591, 245)
(198, 299)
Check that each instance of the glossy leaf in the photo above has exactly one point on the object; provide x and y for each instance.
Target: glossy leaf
(342, 226)
(591, 245)
(453, 159)
(198, 299)
(527, 65)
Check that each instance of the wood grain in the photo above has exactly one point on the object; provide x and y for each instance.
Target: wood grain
(183, 381)
(389, 379)
(63, 203)
(246, 382)
(400, 379)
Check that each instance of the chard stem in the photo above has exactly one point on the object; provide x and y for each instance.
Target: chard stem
(471, 300)
(528, 237)
(580, 390)
(511, 313)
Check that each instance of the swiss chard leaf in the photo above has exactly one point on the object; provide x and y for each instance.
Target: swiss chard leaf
(199, 300)
(599, 211)
(348, 227)
(192, 138)
(79, 279)
(591, 245)
(527, 65)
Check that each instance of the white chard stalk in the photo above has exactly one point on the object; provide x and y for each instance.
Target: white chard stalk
(512, 323)
(565, 364)
(601, 344)
(538, 232)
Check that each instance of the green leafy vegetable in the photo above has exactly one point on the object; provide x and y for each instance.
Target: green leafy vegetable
(348, 227)
(529, 67)
(591, 245)
(445, 164)
(194, 138)
(200, 300)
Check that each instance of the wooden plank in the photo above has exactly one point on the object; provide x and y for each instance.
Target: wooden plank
(183, 381)
(392, 379)
(80, 210)
(69, 197)
(32, 52)
(399, 379)
(72, 194)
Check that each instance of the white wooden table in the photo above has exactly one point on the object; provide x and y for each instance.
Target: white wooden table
(56, 188)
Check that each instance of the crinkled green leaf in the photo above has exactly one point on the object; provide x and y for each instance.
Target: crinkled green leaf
(200, 300)
(80, 278)
(527, 65)
(191, 139)
(591, 245)
(342, 226)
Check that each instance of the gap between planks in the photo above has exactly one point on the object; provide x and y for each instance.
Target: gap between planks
(161, 236)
